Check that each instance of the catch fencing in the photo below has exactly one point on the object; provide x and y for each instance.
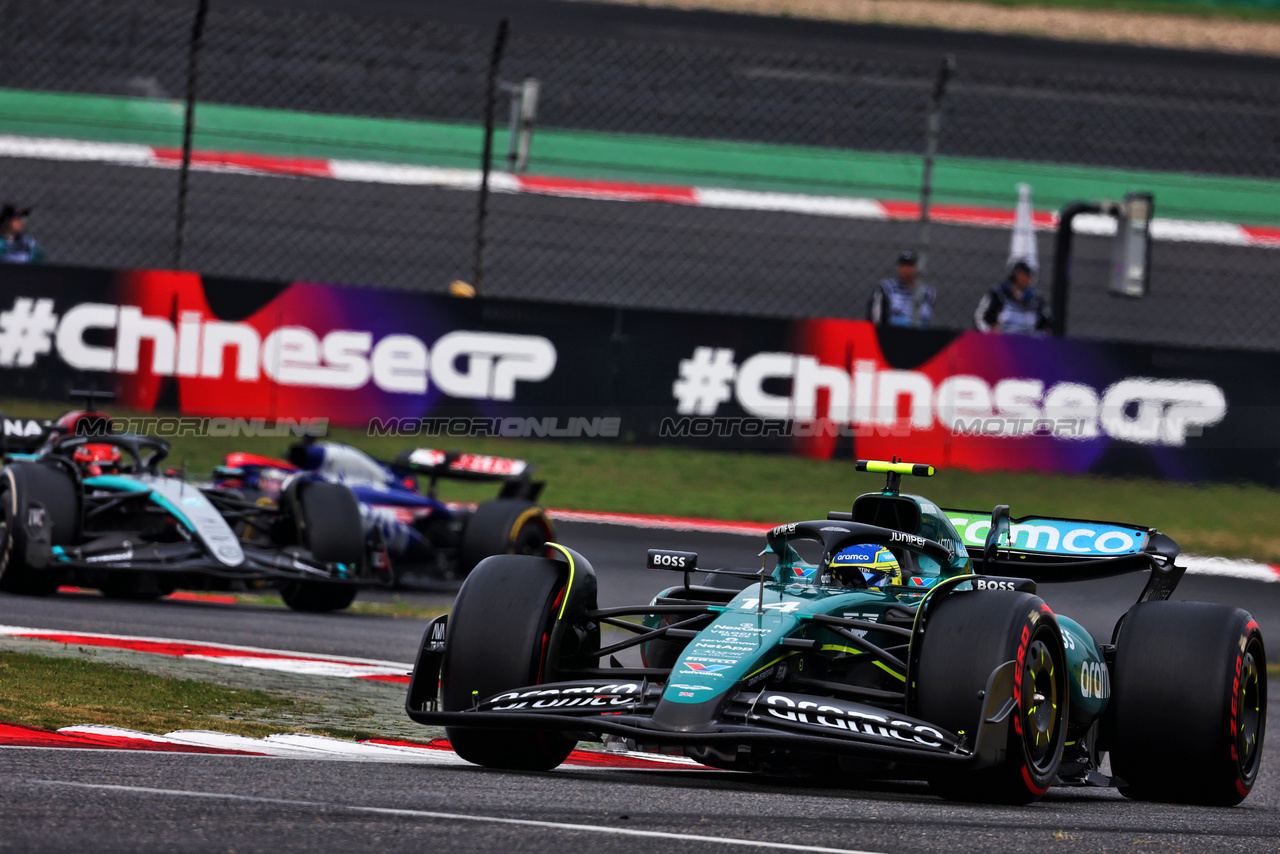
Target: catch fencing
(715, 174)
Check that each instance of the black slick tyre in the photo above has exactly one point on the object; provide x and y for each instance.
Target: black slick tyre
(329, 522)
(503, 526)
(136, 586)
(329, 525)
(27, 488)
(317, 597)
(498, 638)
(1188, 708)
(968, 635)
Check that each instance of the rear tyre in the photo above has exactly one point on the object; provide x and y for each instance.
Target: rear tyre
(1189, 703)
(969, 635)
(504, 526)
(498, 638)
(317, 597)
(27, 488)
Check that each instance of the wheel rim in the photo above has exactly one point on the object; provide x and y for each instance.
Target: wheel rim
(1249, 718)
(1040, 701)
(530, 539)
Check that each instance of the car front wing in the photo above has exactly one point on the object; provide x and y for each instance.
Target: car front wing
(773, 718)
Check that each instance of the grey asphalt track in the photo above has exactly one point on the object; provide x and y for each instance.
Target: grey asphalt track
(107, 801)
(616, 552)
(625, 254)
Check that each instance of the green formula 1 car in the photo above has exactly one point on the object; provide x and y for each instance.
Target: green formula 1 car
(872, 643)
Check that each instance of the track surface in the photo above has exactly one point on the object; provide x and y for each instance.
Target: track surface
(197, 803)
(617, 553)
(626, 254)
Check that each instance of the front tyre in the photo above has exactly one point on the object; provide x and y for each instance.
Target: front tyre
(329, 525)
(498, 638)
(968, 635)
(41, 509)
(1188, 704)
(329, 522)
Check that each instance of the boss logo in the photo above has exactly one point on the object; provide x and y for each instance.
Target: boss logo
(664, 559)
(980, 584)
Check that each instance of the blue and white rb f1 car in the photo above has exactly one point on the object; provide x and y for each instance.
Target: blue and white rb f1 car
(421, 533)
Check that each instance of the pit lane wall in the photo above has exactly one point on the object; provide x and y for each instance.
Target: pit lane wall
(436, 370)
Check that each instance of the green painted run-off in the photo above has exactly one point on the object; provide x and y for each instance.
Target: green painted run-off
(649, 159)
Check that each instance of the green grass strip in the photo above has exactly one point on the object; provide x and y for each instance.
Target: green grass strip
(52, 693)
(648, 159)
(1212, 519)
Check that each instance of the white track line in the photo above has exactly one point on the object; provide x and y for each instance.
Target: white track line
(447, 816)
(319, 656)
(301, 663)
(299, 745)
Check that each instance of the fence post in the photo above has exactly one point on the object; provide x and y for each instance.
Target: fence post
(188, 126)
(932, 130)
(491, 97)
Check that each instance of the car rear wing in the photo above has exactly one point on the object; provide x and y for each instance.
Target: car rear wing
(23, 435)
(514, 474)
(1045, 535)
(1050, 549)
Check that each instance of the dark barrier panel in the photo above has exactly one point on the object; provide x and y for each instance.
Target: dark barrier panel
(421, 365)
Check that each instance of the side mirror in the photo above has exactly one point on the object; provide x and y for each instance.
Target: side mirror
(668, 559)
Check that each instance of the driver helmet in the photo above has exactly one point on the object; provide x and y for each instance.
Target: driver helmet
(271, 482)
(97, 458)
(877, 565)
